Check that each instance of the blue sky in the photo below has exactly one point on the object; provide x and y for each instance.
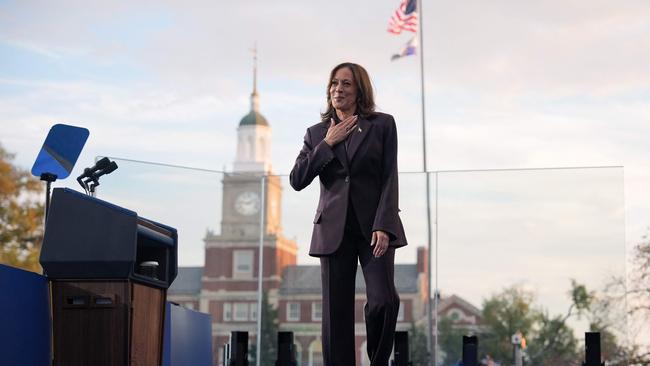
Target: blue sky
(509, 85)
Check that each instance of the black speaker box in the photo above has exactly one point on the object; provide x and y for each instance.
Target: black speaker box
(401, 348)
(470, 351)
(286, 350)
(592, 349)
(239, 349)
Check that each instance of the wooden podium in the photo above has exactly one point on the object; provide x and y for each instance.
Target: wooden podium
(107, 323)
(107, 308)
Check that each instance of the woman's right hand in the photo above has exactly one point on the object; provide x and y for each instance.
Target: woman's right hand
(339, 132)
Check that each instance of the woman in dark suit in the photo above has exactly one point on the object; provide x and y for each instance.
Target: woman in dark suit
(353, 151)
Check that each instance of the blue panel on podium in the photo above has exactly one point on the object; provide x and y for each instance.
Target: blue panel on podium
(188, 337)
(24, 317)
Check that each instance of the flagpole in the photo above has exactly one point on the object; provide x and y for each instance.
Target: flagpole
(430, 328)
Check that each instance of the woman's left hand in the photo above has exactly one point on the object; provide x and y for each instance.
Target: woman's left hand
(380, 242)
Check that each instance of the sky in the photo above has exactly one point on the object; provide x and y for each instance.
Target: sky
(508, 85)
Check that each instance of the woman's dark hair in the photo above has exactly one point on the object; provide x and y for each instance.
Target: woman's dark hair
(365, 99)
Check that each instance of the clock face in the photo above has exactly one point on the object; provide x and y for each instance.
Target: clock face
(247, 203)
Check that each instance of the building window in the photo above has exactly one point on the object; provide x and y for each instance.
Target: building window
(240, 311)
(400, 312)
(455, 315)
(253, 310)
(316, 353)
(293, 311)
(317, 311)
(227, 312)
(298, 353)
(243, 264)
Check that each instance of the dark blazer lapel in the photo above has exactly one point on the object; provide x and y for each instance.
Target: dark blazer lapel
(363, 126)
(339, 149)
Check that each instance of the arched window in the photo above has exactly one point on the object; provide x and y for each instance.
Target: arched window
(261, 154)
(241, 148)
(455, 315)
(250, 153)
(298, 353)
(316, 353)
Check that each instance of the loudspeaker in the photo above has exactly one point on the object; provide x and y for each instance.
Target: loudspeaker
(239, 349)
(286, 350)
(401, 350)
(470, 351)
(592, 349)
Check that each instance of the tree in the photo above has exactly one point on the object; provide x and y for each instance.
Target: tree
(550, 339)
(639, 290)
(504, 314)
(419, 353)
(451, 341)
(21, 215)
(269, 336)
(631, 297)
(554, 342)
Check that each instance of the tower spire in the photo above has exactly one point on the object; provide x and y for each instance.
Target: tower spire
(255, 102)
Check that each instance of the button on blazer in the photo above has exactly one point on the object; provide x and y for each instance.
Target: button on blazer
(364, 174)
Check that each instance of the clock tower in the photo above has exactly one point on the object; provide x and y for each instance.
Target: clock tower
(251, 213)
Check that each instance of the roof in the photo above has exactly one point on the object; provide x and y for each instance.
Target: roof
(253, 118)
(187, 282)
(306, 280)
(449, 301)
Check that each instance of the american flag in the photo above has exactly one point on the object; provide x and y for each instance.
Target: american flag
(405, 18)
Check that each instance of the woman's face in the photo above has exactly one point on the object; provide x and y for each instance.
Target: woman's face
(343, 91)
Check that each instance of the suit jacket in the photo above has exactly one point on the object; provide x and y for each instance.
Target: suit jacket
(365, 176)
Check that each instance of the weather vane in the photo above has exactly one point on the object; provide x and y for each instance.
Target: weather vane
(254, 50)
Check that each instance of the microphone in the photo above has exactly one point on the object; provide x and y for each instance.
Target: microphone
(101, 164)
(90, 177)
(111, 168)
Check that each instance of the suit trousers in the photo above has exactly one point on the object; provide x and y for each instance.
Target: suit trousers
(338, 273)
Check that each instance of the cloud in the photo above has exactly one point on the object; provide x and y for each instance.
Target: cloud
(509, 85)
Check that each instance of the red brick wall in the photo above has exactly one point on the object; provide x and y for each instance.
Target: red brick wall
(423, 259)
(219, 261)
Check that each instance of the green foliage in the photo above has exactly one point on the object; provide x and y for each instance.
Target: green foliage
(418, 345)
(21, 215)
(450, 343)
(611, 350)
(550, 340)
(553, 342)
(581, 298)
(269, 337)
(504, 314)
